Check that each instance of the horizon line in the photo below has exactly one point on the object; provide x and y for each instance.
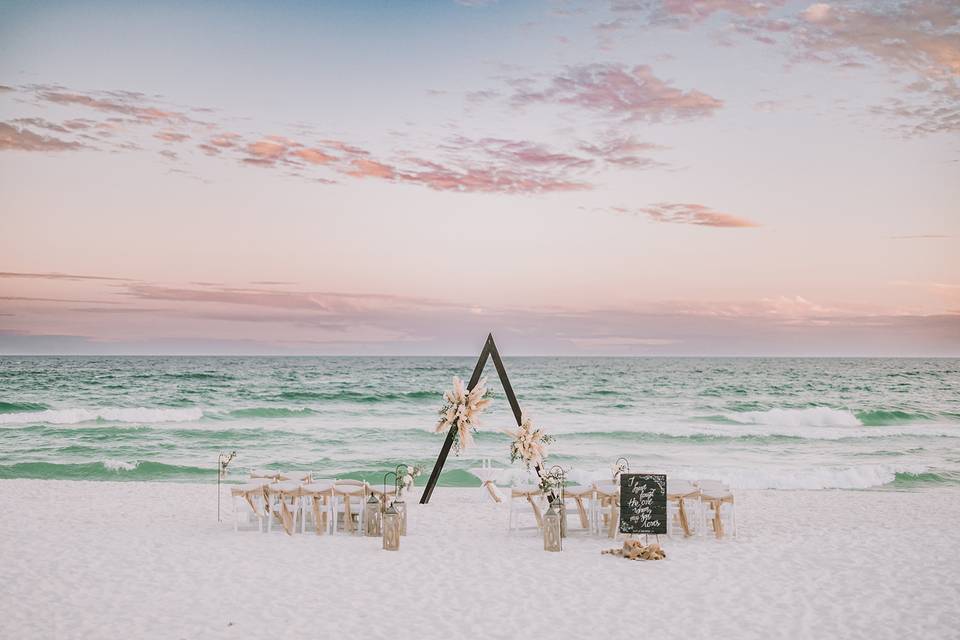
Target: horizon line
(470, 355)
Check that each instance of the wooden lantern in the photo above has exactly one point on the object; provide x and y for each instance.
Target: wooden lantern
(371, 516)
(401, 508)
(391, 529)
(551, 530)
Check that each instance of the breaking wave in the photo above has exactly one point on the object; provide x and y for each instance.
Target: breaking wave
(76, 416)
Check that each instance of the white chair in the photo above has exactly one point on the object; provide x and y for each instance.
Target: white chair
(284, 495)
(320, 493)
(295, 476)
(265, 473)
(247, 500)
(530, 494)
(684, 510)
(575, 499)
(718, 508)
(354, 492)
(606, 513)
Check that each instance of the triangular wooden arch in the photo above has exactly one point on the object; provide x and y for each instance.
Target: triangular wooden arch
(489, 350)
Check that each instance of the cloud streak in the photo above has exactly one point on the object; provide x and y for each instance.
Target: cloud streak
(58, 276)
(19, 139)
(350, 323)
(688, 213)
(684, 13)
(458, 164)
(630, 94)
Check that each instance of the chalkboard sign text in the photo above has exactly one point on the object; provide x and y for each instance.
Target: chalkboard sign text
(643, 503)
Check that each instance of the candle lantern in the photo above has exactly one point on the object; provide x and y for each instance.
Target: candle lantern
(390, 519)
(391, 529)
(398, 503)
(371, 516)
(620, 466)
(551, 530)
(401, 508)
(558, 497)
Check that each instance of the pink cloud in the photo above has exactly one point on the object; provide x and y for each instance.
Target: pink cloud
(57, 276)
(937, 112)
(127, 103)
(313, 156)
(267, 150)
(622, 151)
(685, 12)
(79, 124)
(363, 168)
(606, 32)
(326, 302)
(343, 147)
(634, 94)
(520, 152)
(225, 140)
(485, 165)
(488, 179)
(219, 142)
(787, 323)
(686, 213)
(40, 123)
(919, 36)
(481, 96)
(19, 139)
(171, 136)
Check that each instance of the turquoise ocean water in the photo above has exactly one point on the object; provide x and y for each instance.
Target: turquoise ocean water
(754, 422)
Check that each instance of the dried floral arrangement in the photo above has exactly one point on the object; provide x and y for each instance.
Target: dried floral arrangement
(529, 444)
(462, 409)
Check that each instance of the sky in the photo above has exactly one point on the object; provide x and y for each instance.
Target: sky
(616, 177)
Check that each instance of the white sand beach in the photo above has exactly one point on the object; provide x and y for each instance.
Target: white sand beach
(149, 560)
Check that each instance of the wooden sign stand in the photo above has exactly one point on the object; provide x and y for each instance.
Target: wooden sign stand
(489, 350)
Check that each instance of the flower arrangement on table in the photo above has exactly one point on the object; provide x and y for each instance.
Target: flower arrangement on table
(461, 409)
(550, 485)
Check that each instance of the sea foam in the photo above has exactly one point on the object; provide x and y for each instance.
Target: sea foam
(76, 416)
(808, 417)
(119, 465)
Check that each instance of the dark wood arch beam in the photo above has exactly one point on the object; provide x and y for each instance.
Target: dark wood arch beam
(489, 351)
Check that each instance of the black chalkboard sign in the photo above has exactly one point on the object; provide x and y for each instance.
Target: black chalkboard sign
(643, 503)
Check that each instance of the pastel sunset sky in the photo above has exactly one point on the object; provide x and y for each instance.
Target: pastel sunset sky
(624, 177)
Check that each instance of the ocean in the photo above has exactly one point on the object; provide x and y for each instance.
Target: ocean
(773, 423)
